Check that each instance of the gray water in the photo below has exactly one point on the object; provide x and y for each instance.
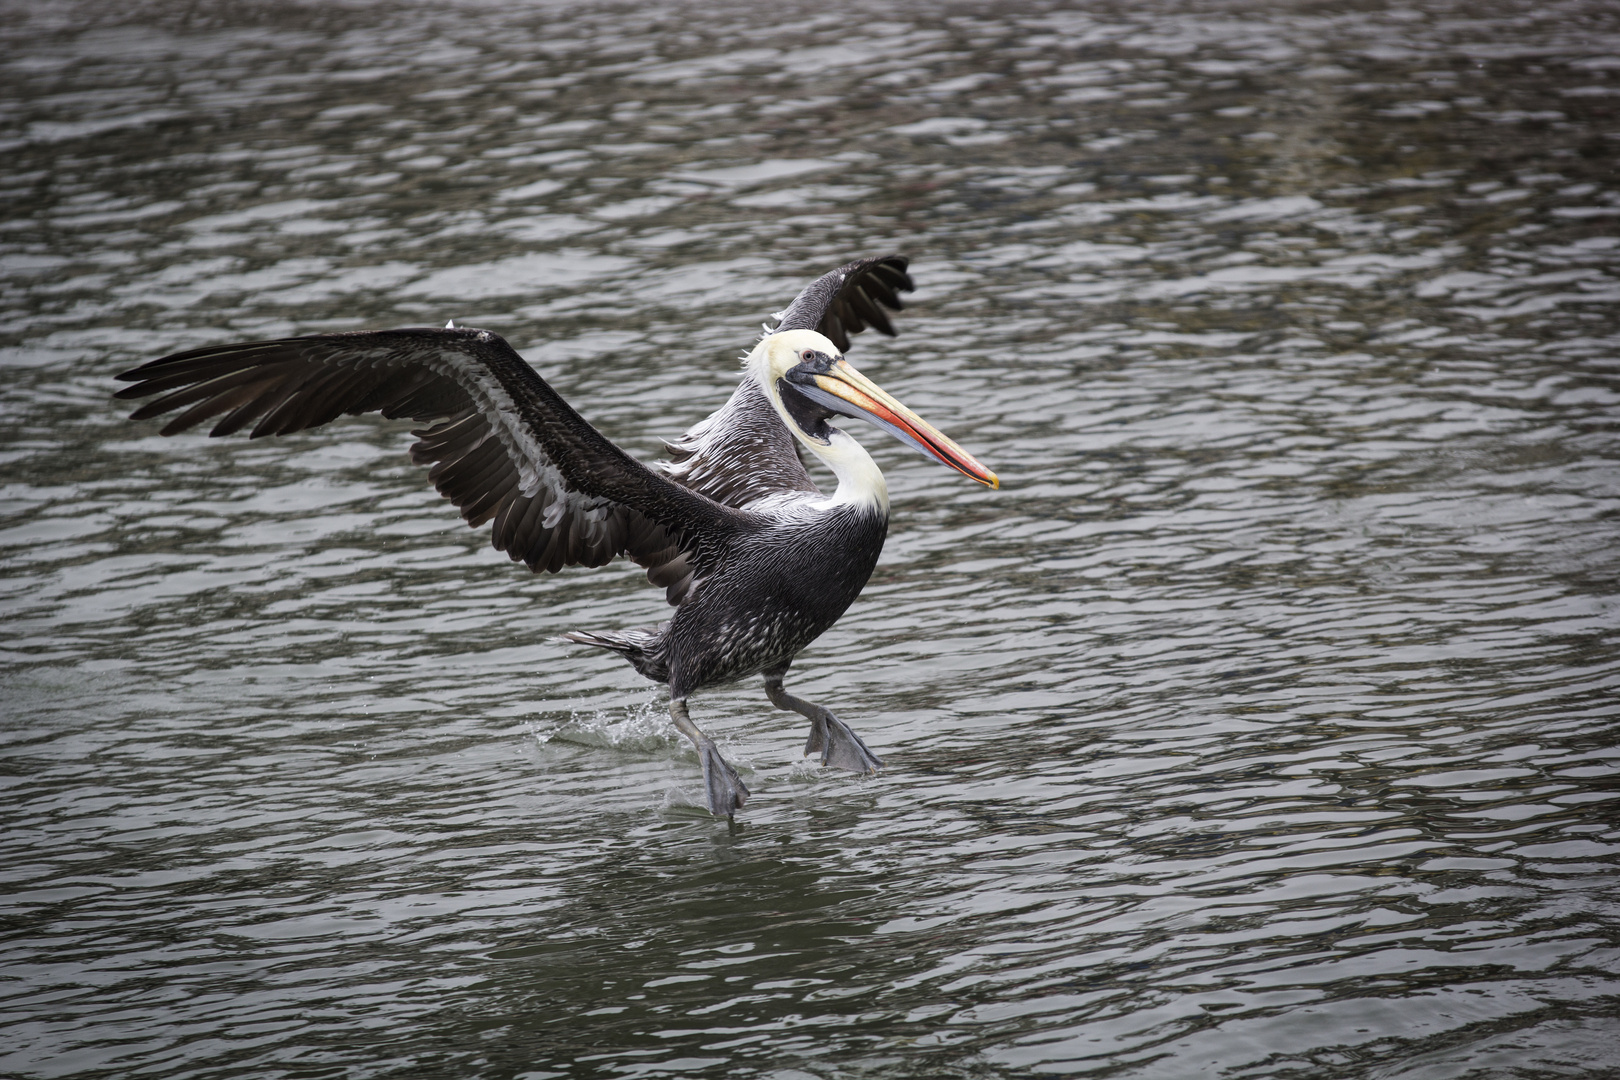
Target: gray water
(1263, 725)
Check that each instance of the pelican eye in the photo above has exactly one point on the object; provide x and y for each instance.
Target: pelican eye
(815, 361)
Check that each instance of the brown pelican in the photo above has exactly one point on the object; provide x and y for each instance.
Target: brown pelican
(755, 558)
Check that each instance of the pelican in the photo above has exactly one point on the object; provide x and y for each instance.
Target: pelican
(756, 559)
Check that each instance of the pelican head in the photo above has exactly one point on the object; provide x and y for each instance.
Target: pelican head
(809, 381)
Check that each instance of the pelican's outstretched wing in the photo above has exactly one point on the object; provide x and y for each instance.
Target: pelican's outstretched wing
(743, 451)
(502, 444)
(849, 299)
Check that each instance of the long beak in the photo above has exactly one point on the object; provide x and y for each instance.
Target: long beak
(849, 393)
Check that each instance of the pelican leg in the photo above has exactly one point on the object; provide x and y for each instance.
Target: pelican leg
(724, 787)
(829, 736)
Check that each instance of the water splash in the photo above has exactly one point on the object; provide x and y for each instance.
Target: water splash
(645, 729)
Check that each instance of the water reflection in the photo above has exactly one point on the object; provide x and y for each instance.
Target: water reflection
(1263, 724)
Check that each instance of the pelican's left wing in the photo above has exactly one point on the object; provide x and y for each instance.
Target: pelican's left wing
(849, 299)
(502, 444)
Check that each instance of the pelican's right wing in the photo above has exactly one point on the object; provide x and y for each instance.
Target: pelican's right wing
(743, 451)
(502, 444)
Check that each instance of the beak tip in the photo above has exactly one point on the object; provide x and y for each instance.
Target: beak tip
(870, 402)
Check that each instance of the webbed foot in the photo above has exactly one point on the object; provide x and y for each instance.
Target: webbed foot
(839, 746)
(721, 785)
(725, 790)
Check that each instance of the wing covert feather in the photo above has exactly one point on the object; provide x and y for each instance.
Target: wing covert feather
(740, 452)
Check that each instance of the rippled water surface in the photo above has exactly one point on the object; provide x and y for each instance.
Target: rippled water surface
(1263, 725)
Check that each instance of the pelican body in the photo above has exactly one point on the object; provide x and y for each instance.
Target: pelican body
(756, 559)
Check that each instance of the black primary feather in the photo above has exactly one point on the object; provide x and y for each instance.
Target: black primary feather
(849, 299)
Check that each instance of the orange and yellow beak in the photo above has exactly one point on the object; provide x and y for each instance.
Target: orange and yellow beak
(852, 394)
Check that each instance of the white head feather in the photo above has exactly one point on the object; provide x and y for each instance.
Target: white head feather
(859, 479)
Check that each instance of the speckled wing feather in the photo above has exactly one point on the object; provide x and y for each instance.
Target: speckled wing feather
(740, 452)
(743, 451)
(502, 445)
